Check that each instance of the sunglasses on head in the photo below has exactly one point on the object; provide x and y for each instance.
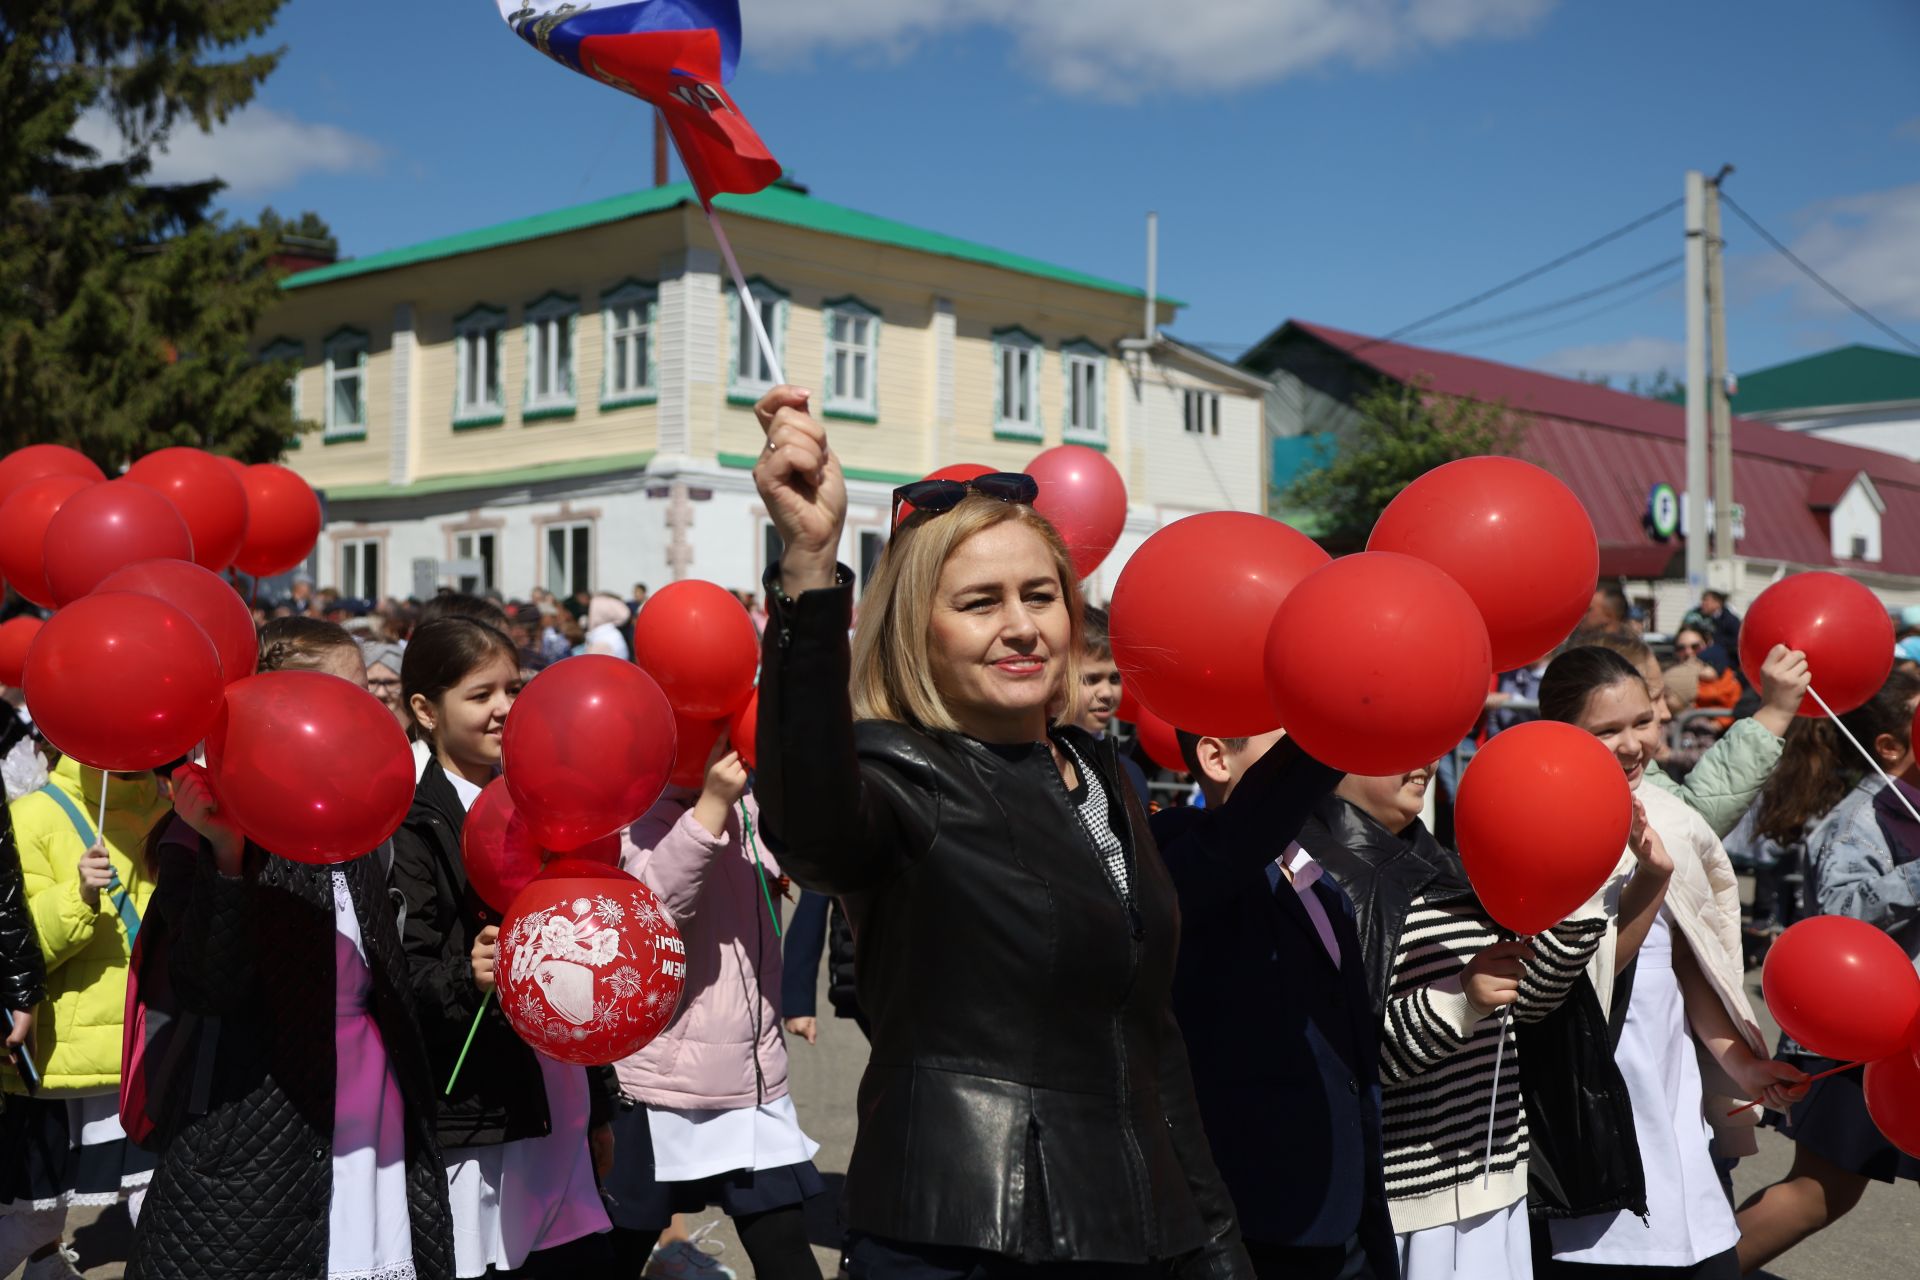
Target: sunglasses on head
(933, 497)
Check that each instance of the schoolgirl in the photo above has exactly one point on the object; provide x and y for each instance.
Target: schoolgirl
(312, 1152)
(514, 1126)
(715, 1125)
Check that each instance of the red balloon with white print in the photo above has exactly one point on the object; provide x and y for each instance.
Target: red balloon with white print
(590, 966)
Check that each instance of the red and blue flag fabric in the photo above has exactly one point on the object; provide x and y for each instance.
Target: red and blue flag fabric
(675, 54)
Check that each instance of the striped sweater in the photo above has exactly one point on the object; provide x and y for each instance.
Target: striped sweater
(1437, 1059)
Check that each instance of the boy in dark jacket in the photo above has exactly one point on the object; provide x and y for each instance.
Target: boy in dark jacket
(1271, 996)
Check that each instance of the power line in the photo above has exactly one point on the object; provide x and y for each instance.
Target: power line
(1583, 317)
(1817, 278)
(1545, 308)
(1525, 276)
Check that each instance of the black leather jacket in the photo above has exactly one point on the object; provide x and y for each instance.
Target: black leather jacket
(1028, 1093)
(23, 972)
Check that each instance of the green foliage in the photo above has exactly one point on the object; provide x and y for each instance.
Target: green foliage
(1401, 433)
(1659, 385)
(127, 308)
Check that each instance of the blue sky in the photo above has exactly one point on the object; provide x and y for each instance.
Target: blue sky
(1360, 163)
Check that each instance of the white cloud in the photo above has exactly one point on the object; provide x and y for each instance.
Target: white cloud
(257, 150)
(1867, 245)
(1622, 359)
(1126, 49)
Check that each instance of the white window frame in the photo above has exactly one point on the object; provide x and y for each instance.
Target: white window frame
(546, 319)
(566, 528)
(288, 349)
(1083, 368)
(490, 562)
(645, 299)
(839, 402)
(1007, 342)
(1200, 412)
(353, 555)
(476, 326)
(773, 302)
(346, 358)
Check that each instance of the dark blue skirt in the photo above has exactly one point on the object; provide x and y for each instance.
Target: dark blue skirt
(43, 1169)
(637, 1202)
(1832, 1122)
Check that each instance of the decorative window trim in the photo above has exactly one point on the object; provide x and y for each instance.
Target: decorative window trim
(338, 343)
(834, 405)
(749, 390)
(1014, 428)
(1076, 353)
(556, 404)
(479, 319)
(626, 293)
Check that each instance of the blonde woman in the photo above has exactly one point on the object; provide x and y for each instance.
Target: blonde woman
(1028, 1103)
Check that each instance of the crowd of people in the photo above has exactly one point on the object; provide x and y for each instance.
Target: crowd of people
(1272, 1032)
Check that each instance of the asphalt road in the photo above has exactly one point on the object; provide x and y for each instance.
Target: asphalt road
(1877, 1241)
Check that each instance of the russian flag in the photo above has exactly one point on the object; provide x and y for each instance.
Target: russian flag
(675, 54)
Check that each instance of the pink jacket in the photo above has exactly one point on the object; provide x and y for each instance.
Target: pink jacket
(724, 1047)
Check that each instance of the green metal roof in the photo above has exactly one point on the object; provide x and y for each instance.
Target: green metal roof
(540, 473)
(1844, 376)
(776, 204)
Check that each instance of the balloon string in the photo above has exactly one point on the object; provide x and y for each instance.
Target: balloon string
(100, 824)
(461, 1061)
(1865, 754)
(1830, 1071)
(1493, 1106)
(760, 870)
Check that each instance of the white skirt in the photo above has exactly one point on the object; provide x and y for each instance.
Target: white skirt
(689, 1145)
(1493, 1246)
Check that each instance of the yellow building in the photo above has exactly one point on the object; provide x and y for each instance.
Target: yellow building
(565, 400)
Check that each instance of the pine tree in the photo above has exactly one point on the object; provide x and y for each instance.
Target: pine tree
(128, 308)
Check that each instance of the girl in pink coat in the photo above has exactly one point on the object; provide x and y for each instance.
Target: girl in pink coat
(706, 1119)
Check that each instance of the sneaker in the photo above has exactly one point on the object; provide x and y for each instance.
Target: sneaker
(58, 1265)
(687, 1259)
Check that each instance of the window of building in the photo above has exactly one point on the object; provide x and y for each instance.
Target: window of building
(346, 385)
(627, 315)
(287, 349)
(853, 358)
(872, 544)
(1016, 389)
(360, 568)
(475, 546)
(569, 558)
(1086, 370)
(1202, 412)
(476, 352)
(749, 375)
(772, 546)
(550, 325)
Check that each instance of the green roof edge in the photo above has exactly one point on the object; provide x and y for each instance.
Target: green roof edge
(776, 204)
(491, 479)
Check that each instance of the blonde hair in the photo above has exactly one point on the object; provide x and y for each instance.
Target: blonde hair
(892, 679)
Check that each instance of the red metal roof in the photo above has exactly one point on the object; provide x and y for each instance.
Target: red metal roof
(1611, 448)
(1825, 490)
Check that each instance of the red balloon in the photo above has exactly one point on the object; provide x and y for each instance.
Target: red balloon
(953, 471)
(205, 597)
(108, 526)
(1129, 708)
(1892, 1087)
(1083, 496)
(698, 642)
(24, 517)
(1839, 624)
(1378, 663)
(311, 767)
(283, 521)
(234, 465)
(16, 637)
(123, 681)
(1514, 536)
(208, 495)
(695, 739)
(591, 966)
(37, 460)
(587, 749)
(1159, 741)
(1190, 615)
(743, 730)
(500, 854)
(1841, 987)
(1541, 776)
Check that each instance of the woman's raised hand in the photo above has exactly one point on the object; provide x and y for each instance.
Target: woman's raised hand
(199, 808)
(800, 481)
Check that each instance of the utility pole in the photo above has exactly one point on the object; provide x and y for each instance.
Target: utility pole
(1696, 511)
(1718, 416)
(659, 148)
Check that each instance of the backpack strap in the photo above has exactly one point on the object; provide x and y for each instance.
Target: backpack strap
(117, 893)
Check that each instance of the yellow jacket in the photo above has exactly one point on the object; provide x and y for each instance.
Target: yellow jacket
(79, 1029)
